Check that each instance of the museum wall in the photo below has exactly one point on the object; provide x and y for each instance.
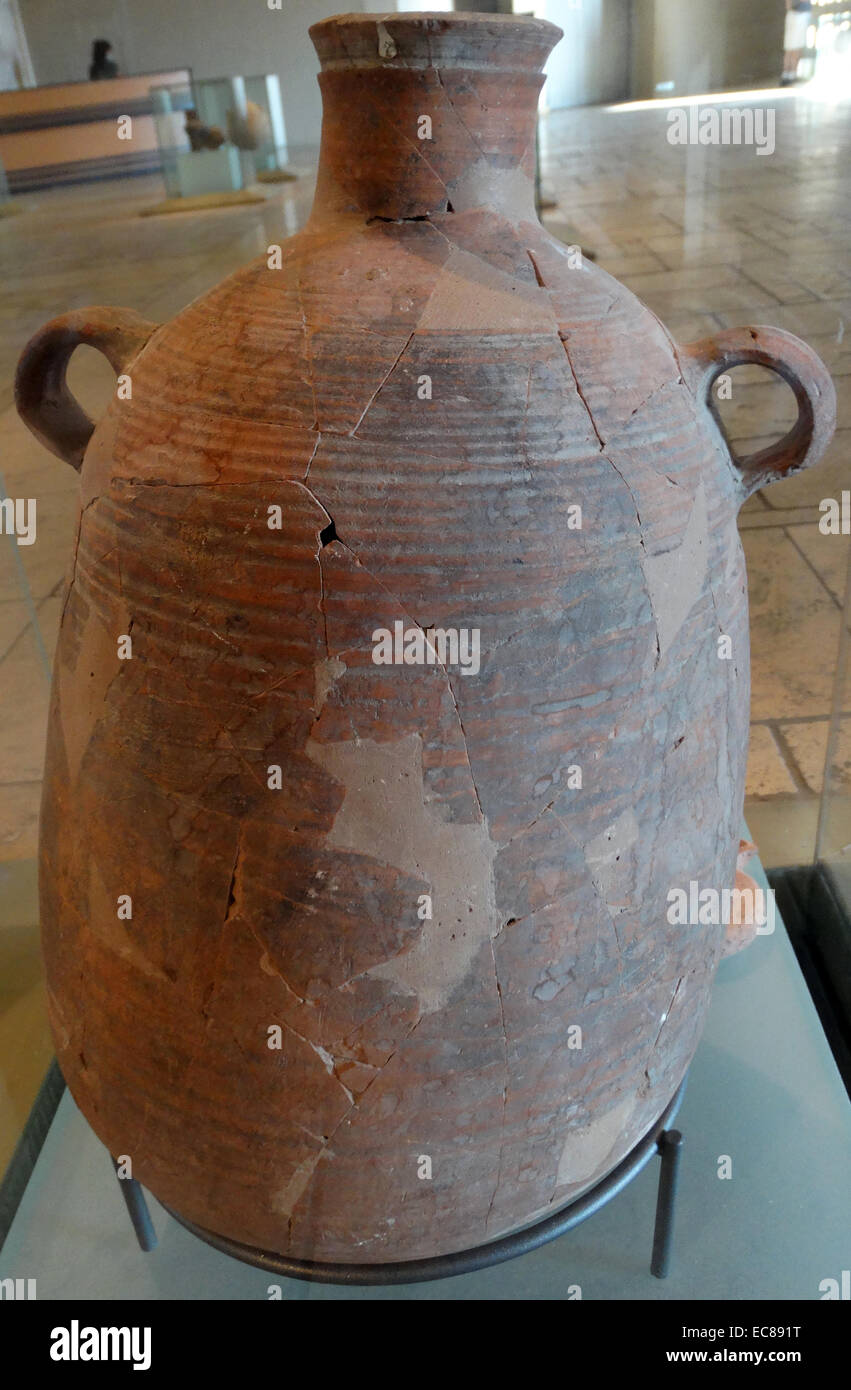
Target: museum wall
(615, 49)
(148, 35)
(592, 64)
(704, 45)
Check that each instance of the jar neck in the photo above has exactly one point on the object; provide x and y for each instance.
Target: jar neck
(421, 117)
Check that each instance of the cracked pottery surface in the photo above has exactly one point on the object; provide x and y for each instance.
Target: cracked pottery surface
(297, 387)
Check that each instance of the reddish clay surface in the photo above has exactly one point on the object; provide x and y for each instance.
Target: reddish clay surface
(302, 388)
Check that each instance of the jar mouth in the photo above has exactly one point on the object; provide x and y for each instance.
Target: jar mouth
(435, 39)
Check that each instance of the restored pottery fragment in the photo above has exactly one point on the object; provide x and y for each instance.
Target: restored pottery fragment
(396, 425)
(750, 908)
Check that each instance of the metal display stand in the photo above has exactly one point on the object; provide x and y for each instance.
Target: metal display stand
(661, 1140)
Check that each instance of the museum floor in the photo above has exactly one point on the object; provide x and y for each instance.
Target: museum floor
(708, 237)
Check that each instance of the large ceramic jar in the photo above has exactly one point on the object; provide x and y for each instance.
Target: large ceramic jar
(324, 899)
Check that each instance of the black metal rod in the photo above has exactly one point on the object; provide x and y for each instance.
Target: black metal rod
(137, 1207)
(670, 1150)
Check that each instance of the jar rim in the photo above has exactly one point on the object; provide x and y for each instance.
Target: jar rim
(435, 39)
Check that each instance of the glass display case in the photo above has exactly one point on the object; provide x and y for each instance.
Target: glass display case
(220, 134)
(5, 199)
(270, 153)
(815, 899)
(833, 845)
(829, 905)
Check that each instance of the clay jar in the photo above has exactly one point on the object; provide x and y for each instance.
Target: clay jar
(382, 911)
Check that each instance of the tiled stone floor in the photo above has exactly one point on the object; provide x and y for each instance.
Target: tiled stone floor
(708, 237)
(719, 237)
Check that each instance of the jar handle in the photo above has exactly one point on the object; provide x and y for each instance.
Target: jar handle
(703, 362)
(44, 402)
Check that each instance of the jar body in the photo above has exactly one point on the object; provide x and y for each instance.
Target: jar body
(393, 909)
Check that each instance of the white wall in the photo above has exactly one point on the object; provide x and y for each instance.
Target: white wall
(15, 65)
(215, 38)
(591, 63)
(700, 45)
(705, 45)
